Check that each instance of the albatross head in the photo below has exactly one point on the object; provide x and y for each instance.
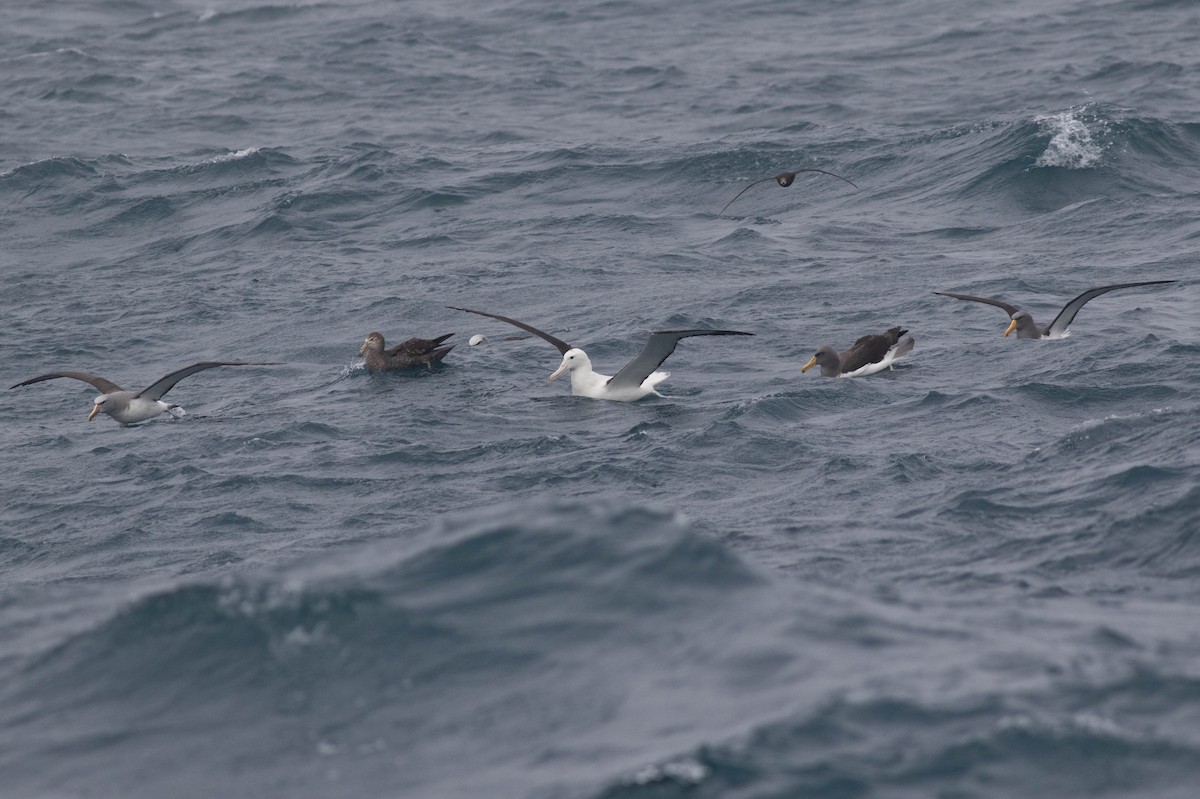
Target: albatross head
(373, 342)
(826, 358)
(97, 406)
(573, 359)
(1021, 321)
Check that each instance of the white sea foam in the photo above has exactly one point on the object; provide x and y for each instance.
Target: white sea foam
(685, 772)
(234, 156)
(1077, 140)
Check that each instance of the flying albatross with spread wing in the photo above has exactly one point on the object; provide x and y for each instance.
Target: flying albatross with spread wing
(638, 379)
(784, 179)
(1022, 321)
(131, 407)
(870, 354)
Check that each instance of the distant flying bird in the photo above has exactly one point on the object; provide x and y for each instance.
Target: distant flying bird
(870, 354)
(638, 379)
(412, 353)
(131, 407)
(1023, 323)
(784, 179)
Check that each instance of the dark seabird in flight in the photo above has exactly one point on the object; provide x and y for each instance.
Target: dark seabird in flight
(412, 353)
(870, 354)
(1023, 323)
(638, 379)
(784, 179)
(131, 407)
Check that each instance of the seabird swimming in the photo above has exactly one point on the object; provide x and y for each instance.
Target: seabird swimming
(638, 379)
(412, 353)
(870, 354)
(1023, 323)
(131, 407)
(784, 179)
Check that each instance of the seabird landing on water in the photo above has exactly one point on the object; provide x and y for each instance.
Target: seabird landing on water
(1023, 323)
(131, 407)
(412, 353)
(638, 379)
(784, 179)
(870, 354)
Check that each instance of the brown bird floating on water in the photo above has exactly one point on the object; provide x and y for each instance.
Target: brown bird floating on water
(785, 179)
(1023, 323)
(131, 407)
(409, 355)
(870, 354)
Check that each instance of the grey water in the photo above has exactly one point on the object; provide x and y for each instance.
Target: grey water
(975, 575)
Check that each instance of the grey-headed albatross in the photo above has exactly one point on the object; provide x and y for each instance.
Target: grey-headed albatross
(870, 354)
(131, 407)
(1023, 323)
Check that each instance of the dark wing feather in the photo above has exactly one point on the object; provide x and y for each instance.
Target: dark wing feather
(785, 179)
(1009, 309)
(105, 386)
(658, 348)
(159, 387)
(559, 343)
(743, 191)
(870, 349)
(417, 347)
(1067, 314)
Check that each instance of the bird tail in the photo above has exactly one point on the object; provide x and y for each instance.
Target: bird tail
(436, 355)
(902, 348)
(905, 346)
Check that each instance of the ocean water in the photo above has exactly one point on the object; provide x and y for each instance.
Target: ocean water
(973, 576)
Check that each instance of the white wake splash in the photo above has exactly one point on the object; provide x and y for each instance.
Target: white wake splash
(1077, 140)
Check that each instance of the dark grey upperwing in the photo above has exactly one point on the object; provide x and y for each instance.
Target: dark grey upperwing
(658, 348)
(105, 386)
(785, 179)
(870, 349)
(743, 191)
(1067, 314)
(559, 343)
(1008, 309)
(419, 346)
(159, 387)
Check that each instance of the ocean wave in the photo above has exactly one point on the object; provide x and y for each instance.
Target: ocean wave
(1077, 139)
(907, 747)
(35, 175)
(504, 618)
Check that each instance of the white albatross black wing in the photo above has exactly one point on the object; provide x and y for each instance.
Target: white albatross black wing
(559, 344)
(658, 348)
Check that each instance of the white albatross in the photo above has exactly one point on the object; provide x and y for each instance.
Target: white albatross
(638, 379)
(131, 407)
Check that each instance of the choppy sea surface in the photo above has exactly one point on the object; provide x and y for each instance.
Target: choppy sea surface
(973, 576)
